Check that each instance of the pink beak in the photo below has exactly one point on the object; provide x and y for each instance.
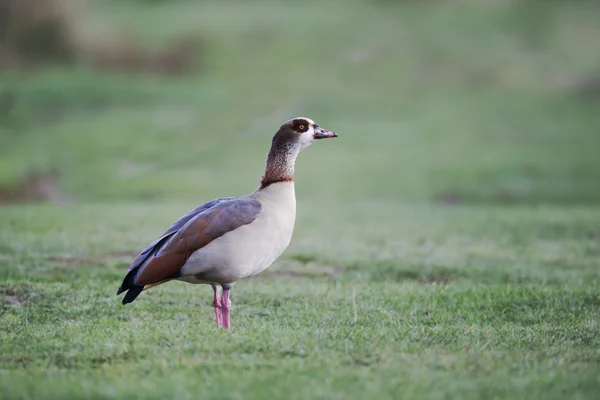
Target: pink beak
(321, 133)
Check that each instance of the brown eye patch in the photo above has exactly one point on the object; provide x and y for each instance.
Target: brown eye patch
(300, 125)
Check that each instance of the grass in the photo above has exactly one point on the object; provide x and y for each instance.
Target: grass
(447, 244)
(408, 301)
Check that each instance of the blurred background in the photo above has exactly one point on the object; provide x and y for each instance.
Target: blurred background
(465, 101)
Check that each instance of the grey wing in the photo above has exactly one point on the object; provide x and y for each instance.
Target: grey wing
(171, 251)
(177, 225)
(197, 233)
(155, 246)
(191, 214)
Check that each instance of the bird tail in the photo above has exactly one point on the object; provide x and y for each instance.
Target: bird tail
(130, 287)
(132, 293)
(133, 290)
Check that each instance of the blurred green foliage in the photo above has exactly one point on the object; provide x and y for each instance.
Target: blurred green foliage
(467, 101)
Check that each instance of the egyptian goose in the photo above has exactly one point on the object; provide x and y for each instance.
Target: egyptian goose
(228, 239)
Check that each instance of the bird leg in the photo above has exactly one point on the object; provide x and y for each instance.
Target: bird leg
(217, 306)
(226, 305)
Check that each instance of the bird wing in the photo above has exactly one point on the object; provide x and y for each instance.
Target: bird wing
(177, 225)
(166, 255)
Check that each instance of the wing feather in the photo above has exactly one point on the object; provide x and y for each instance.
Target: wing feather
(165, 256)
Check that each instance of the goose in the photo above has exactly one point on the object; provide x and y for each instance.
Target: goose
(231, 238)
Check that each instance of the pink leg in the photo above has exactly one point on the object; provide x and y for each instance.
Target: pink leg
(218, 308)
(226, 304)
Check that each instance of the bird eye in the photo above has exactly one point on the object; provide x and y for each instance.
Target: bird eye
(301, 128)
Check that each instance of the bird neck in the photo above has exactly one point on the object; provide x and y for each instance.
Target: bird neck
(280, 165)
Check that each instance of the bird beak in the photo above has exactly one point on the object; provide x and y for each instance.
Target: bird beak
(321, 133)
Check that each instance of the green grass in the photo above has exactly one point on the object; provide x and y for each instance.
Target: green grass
(387, 291)
(406, 301)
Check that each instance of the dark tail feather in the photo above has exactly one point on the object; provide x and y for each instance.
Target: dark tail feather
(132, 293)
(128, 285)
(128, 281)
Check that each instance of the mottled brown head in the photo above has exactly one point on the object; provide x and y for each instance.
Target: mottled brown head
(293, 136)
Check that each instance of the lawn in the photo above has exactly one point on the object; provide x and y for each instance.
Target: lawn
(447, 244)
(406, 301)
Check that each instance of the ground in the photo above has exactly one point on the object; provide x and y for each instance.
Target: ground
(414, 301)
(447, 243)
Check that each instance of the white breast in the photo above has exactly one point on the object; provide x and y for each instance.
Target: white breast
(249, 249)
